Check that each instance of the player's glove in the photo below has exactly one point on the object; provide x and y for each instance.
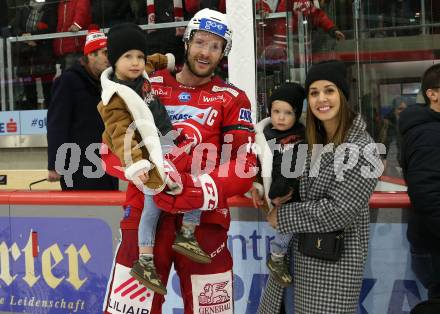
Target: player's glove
(159, 61)
(197, 193)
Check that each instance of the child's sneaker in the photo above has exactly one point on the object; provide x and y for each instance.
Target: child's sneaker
(278, 269)
(145, 271)
(189, 247)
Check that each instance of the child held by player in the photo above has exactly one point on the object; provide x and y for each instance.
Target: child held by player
(138, 130)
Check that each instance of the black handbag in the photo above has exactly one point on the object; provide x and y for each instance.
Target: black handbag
(327, 246)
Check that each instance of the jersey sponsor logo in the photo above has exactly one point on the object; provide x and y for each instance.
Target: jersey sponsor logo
(245, 115)
(186, 87)
(183, 113)
(212, 293)
(184, 97)
(232, 91)
(189, 131)
(161, 91)
(211, 99)
(128, 295)
(156, 79)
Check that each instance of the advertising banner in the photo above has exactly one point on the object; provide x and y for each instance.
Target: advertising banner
(33, 122)
(9, 123)
(61, 265)
(54, 265)
(389, 286)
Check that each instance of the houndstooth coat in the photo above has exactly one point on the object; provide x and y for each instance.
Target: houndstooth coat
(329, 204)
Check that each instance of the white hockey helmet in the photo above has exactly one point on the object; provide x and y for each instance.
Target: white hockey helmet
(213, 22)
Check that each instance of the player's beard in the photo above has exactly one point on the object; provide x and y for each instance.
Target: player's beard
(191, 67)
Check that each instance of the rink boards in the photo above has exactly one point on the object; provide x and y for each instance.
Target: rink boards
(56, 258)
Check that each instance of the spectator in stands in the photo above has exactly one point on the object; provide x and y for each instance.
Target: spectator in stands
(166, 40)
(4, 21)
(389, 132)
(435, 15)
(165, 11)
(138, 9)
(73, 16)
(420, 129)
(310, 11)
(392, 15)
(107, 13)
(4, 18)
(35, 58)
(192, 6)
(73, 118)
(330, 206)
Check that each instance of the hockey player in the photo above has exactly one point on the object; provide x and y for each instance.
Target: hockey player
(127, 100)
(217, 117)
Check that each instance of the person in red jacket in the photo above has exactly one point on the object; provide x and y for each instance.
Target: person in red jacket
(73, 16)
(216, 117)
(275, 44)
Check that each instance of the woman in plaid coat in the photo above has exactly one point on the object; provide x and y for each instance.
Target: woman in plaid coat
(334, 189)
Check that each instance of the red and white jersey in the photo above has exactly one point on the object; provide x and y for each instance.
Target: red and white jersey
(205, 113)
(217, 117)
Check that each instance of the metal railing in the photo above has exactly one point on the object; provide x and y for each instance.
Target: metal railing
(17, 39)
(8, 69)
